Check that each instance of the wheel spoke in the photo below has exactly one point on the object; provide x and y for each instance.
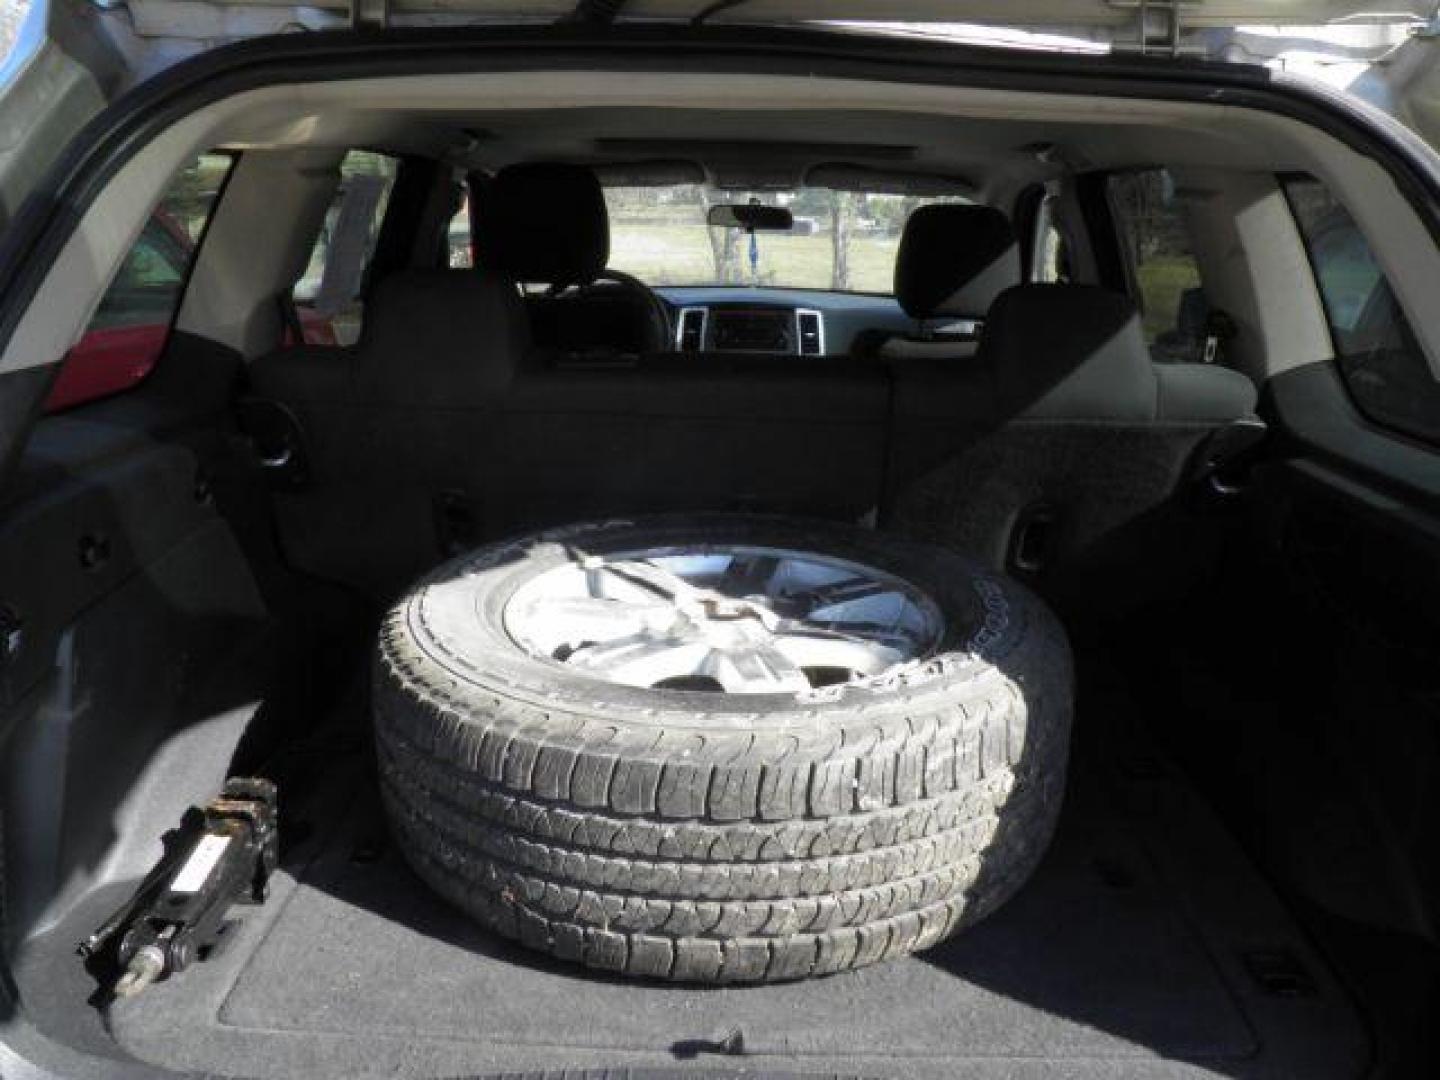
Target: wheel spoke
(642, 660)
(838, 651)
(573, 620)
(655, 578)
(755, 669)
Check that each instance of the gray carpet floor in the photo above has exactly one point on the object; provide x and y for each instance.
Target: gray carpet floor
(1130, 954)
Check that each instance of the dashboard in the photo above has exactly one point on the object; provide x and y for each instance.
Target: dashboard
(799, 322)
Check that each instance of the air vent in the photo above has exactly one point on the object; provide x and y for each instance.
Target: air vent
(810, 332)
(690, 331)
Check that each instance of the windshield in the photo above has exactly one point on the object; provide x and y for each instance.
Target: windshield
(842, 241)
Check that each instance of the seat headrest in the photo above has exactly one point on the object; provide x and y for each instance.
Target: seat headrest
(441, 338)
(954, 260)
(1069, 351)
(545, 224)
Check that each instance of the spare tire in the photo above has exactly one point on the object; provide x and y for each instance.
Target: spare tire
(721, 748)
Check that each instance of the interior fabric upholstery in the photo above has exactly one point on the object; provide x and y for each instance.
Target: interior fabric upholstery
(447, 411)
(1078, 352)
(437, 339)
(606, 318)
(544, 223)
(780, 434)
(1062, 438)
(399, 426)
(1202, 392)
(954, 260)
(305, 374)
(441, 339)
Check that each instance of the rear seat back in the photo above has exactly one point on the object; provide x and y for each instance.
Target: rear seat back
(441, 340)
(690, 432)
(445, 427)
(1059, 450)
(395, 431)
(1054, 449)
(1078, 352)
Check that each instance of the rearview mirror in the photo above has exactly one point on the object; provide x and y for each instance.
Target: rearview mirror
(752, 217)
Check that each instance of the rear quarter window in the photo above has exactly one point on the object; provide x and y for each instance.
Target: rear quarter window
(1388, 377)
(1165, 277)
(1049, 254)
(130, 328)
(329, 294)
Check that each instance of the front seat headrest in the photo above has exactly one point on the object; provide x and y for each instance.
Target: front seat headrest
(544, 223)
(954, 260)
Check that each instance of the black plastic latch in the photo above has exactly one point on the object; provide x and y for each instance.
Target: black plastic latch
(1279, 973)
(1032, 540)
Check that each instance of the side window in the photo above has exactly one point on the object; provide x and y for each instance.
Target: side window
(1049, 259)
(1381, 363)
(328, 294)
(1155, 242)
(129, 329)
(458, 243)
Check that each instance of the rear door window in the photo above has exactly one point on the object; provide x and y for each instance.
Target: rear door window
(129, 329)
(459, 245)
(1380, 361)
(1049, 256)
(329, 295)
(1165, 278)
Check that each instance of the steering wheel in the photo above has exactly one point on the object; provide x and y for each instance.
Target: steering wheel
(660, 331)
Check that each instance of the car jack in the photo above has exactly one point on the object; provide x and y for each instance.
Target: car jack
(178, 914)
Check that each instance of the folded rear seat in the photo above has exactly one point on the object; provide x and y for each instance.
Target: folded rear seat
(1059, 450)
(396, 434)
(780, 434)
